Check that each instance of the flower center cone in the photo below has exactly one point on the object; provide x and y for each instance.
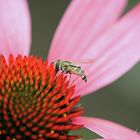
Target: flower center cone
(35, 102)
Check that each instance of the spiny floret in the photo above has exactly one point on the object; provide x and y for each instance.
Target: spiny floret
(35, 102)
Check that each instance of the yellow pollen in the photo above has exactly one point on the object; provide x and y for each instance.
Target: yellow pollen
(64, 115)
(0, 133)
(27, 63)
(64, 95)
(40, 135)
(13, 138)
(52, 131)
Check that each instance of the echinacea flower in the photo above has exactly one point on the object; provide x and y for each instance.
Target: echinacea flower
(38, 103)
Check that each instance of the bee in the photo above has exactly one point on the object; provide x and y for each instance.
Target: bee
(68, 67)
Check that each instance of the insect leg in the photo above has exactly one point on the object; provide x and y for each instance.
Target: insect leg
(69, 76)
(74, 80)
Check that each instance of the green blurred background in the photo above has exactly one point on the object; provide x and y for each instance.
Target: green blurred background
(120, 101)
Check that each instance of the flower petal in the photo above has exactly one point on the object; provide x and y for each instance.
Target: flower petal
(114, 53)
(104, 139)
(83, 21)
(107, 129)
(15, 27)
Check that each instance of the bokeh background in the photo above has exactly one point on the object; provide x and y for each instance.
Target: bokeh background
(120, 101)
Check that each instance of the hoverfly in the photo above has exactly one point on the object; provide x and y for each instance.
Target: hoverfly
(68, 67)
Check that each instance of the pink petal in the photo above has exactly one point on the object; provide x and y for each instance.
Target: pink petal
(114, 53)
(107, 129)
(104, 139)
(15, 27)
(83, 22)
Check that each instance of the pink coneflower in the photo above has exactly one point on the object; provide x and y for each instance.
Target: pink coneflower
(36, 102)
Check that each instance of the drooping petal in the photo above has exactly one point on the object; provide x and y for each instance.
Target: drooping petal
(83, 22)
(114, 53)
(107, 129)
(15, 27)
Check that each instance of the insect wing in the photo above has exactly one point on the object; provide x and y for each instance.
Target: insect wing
(84, 61)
